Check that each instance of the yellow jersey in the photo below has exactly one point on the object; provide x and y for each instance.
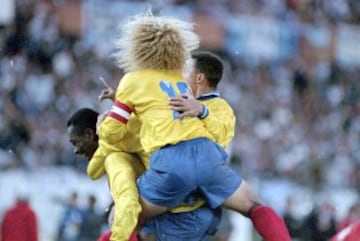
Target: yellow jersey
(145, 93)
(121, 162)
(220, 121)
(129, 144)
(122, 170)
(128, 129)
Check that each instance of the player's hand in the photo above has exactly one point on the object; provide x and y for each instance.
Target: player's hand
(107, 93)
(186, 105)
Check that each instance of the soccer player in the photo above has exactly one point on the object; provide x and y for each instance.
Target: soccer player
(203, 74)
(184, 156)
(178, 223)
(219, 118)
(122, 169)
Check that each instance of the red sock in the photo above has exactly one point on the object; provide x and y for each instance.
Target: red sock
(268, 224)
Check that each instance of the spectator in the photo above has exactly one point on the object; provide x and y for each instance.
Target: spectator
(320, 225)
(293, 224)
(91, 226)
(72, 221)
(19, 222)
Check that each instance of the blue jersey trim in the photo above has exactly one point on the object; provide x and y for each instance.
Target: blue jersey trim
(210, 95)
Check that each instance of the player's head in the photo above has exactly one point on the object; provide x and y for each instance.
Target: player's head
(203, 67)
(155, 42)
(81, 128)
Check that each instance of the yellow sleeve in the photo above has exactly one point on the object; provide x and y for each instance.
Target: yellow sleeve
(111, 132)
(122, 175)
(122, 125)
(114, 127)
(220, 121)
(96, 166)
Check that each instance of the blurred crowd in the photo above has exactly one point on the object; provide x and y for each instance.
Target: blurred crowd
(297, 117)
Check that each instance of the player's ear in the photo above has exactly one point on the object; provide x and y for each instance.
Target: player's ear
(200, 78)
(90, 133)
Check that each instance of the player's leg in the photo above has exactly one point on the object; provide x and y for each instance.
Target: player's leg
(242, 200)
(149, 210)
(265, 220)
(160, 187)
(221, 185)
(226, 187)
(172, 174)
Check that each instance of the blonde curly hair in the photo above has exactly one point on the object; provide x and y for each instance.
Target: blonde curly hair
(155, 42)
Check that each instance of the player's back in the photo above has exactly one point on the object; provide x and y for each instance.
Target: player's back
(146, 92)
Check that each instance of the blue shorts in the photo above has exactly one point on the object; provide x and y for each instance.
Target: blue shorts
(190, 226)
(178, 170)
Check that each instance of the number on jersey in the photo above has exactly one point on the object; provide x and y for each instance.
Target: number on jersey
(169, 89)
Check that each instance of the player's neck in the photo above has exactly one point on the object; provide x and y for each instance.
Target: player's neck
(203, 90)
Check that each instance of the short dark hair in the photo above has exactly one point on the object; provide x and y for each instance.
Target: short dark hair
(208, 64)
(82, 119)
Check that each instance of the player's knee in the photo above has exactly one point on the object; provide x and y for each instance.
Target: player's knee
(243, 200)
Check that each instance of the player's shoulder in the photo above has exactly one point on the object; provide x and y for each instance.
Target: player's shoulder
(222, 100)
(132, 75)
(219, 104)
(133, 80)
(219, 101)
(149, 74)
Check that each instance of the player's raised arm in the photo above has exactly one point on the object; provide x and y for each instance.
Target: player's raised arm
(112, 130)
(108, 92)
